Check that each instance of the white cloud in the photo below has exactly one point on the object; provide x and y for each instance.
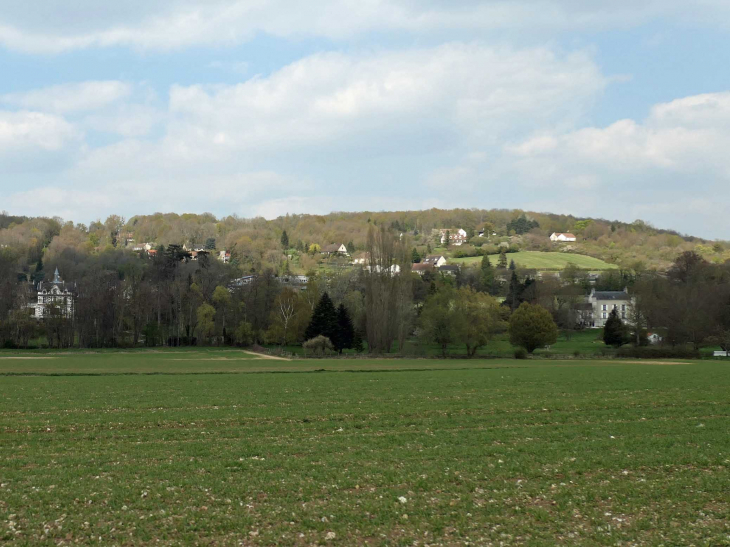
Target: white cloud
(662, 168)
(34, 130)
(414, 101)
(72, 97)
(52, 27)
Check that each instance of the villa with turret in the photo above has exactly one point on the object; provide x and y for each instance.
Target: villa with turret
(56, 293)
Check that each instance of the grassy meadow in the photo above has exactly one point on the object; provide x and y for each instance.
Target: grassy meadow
(227, 448)
(538, 260)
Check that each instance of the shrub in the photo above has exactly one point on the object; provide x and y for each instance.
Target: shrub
(319, 345)
(520, 353)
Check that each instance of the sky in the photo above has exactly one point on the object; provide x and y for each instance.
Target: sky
(618, 109)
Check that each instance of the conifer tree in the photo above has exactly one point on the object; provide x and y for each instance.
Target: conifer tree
(512, 265)
(324, 320)
(487, 276)
(285, 240)
(614, 332)
(345, 336)
(415, 257)
(502, 260)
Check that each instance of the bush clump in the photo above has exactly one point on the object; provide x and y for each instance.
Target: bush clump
(520, 353)
(319, 345)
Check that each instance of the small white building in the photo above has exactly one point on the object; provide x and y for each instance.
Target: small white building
(563, 237)
(224, 256)
(457, 236)
(56, 293)
(335, 249)
(435, 260)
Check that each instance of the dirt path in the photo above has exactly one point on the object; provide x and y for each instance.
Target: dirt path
(31, 358)
(264, 356)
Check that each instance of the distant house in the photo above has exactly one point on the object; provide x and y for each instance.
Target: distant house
(449, 269)
(56, 293)
(654, 338)
(335, 249)
(241, 282)
(422, 268)
(562, 237)
(435, 260)
(143, 247)
(361, 258)
(224, 256)
(604, 302)
(457, 236)
(392, 270)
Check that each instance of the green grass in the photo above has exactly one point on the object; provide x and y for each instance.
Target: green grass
(545, 261)
(487, 452)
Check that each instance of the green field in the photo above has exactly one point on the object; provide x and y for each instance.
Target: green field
(544, 261)
(226, 448)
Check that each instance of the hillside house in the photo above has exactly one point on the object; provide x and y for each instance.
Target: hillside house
(435, 260)
(56, 293)
(361, 258)
(422, 268)
(336, 249)
(449, 269)
(224, 256)
(457, 236)
(562, 237)
(604, 302)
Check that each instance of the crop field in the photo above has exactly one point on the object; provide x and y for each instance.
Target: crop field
(230, 448)
(538, 260)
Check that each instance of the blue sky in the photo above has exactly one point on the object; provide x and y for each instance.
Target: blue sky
(617, 109)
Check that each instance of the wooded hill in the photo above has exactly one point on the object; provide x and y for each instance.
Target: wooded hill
(256, 244)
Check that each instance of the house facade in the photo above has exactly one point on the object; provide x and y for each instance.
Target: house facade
(562, 237)
(449, 269)
(604, 302)
(335, 249)
(56, 294)
(457, 236)
(421, 268)
(434, 260)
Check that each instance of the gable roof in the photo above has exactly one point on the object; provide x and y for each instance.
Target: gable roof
(566, 234)
(332, 248)
(611, 295)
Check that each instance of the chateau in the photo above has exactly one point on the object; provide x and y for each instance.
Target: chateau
(54, 293)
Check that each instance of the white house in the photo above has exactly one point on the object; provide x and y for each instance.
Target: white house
(654, 338)
(435, 260)
(457, 236)
(224, 256)
(335, 249)
(54, 293)
(563, 237)
(604, 302)
(422, 268)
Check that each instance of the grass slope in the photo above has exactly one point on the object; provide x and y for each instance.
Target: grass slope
(545, 261)
(541, 453)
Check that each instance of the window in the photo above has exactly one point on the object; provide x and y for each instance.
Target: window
(604, 315)
(623, 315)
(615, 306)
(604, 309)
